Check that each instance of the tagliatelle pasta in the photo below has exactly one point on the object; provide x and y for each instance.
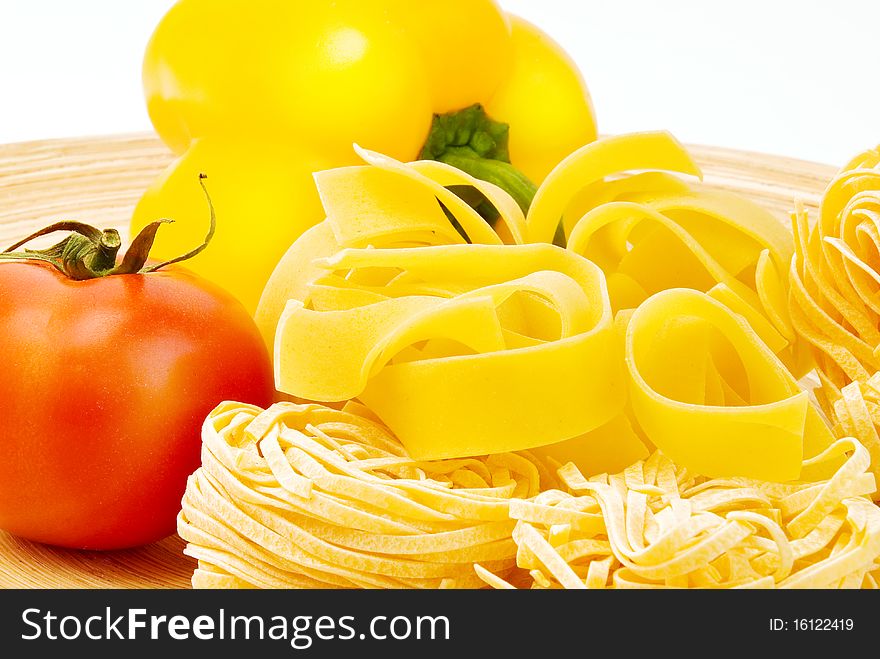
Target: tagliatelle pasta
(610, 447)
(384, 204)
(468, 349)
(592, 164)
(459, 348)
(309, 496)
(711, 395)
(653, 231)
(662, 346)
(857, 414)
(405, 299)
(656, 525)
(835, 281)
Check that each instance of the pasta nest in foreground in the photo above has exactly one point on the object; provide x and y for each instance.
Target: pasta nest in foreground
(306, 496)
(658, 526)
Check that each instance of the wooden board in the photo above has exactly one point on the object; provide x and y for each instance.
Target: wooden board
(99, 181)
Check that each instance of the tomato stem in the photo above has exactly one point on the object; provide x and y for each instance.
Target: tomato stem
(212, 227)
(473, 142)
(89, 252)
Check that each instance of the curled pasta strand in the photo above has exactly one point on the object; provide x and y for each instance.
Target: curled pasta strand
(760, 535)
(834, 303)
(334, 518)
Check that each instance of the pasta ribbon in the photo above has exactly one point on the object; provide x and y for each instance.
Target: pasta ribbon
(652, 231)
(385, 204)
(306, 496)
(662, 346)
(406, 299)
(711, 395)
(658, 525)
(593, 163)
(524, 355)
(857, 414)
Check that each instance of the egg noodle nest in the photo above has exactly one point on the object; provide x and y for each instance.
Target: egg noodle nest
(308, 496)
(835, 282)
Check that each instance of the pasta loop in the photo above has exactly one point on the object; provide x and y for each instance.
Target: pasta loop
(710, 394)
(652, 231)
(460, 347)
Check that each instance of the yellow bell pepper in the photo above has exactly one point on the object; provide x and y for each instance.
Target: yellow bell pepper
(260, 94)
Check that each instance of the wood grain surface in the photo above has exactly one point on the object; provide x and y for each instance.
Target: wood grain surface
(99, 180)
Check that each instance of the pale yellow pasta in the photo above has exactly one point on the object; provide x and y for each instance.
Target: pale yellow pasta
(305, 496)
(834, 303)
(660, 527)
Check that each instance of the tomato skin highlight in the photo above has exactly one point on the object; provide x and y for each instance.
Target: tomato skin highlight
(104, 387)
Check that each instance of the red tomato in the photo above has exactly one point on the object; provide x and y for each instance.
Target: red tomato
(104, 385)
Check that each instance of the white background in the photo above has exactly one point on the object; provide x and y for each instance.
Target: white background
(779, 76)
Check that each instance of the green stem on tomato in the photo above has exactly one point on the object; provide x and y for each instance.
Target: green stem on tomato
(89, 252)
(475, 143)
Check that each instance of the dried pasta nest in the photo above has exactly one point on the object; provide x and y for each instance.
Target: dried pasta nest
(835, 282)
(657, 526)
(305, 496)
(308, 496)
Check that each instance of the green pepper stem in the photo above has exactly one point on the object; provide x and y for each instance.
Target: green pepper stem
(475, 143)
(503, 174)
(89, 252)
